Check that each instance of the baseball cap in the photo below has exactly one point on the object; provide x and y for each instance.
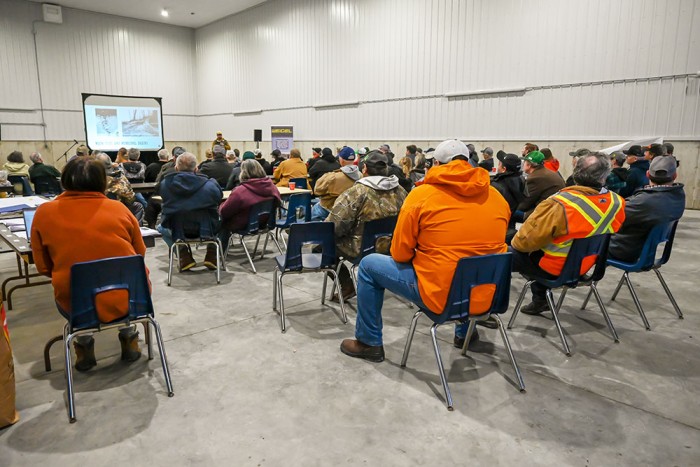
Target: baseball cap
(449, 149)
(316, 150)
(276, 153)
(534, 157)
(655, 150)
(347, 153)
(488, 151)
(580, 152)
(219, 133)
(82, 149)
(619, 157)
(327, 152)
(635, 150)
(177, 150)
(362, 151)
(662, 169)
(248, 155)
(510, 161)
(669, 148)
(385, 147)
(219, 150)
(377, 159)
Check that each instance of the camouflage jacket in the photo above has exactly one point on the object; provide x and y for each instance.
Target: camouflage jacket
(368, 199)
(119, 187)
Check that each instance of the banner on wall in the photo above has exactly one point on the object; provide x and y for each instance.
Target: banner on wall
(282, 138)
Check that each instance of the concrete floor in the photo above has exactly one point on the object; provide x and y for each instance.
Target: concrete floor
(245, 394)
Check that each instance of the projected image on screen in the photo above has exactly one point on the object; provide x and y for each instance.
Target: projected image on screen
(112, 122)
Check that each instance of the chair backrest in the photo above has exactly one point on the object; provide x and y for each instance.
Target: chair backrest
(582, 248)
(47, 185)
(659, 234)
(310, 233)
(373, 231)
(91, 278)
(472, 272)
(260, 217)
(300, 182)
(23, 182)
(191, 225)
(296, 201)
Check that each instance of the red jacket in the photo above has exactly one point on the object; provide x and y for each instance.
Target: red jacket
(234, 211)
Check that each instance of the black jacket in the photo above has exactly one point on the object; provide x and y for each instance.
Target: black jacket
(152, 171)
(650, 206)
(636, 178)
(267, 167)
(487, 164)
(405, 183)
(322, 166)
(511, 186)
(218, 169)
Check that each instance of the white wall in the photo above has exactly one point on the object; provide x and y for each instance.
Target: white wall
(95, 53)
(599, 70)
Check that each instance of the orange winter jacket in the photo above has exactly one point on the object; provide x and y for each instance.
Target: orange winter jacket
(455, 213)
(84, 226)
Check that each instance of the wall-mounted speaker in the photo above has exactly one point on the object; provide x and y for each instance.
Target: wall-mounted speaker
(257, 136)
(52, 13)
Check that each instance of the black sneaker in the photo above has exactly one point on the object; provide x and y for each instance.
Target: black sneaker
(535, 308)
(459, 341)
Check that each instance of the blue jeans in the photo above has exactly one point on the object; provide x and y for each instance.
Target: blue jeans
(167, 234)
(319, 213)
(375, 274)
(140, 199)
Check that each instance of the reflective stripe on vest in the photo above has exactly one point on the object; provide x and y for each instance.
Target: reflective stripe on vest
(601, 222)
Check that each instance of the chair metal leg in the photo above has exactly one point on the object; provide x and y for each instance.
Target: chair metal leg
(222, 255)
(506, 342)
(257, 242)
(283, 321)
(343, 315)
(588, 297)
(668, 293)
(555, 314)
(147, 338)
(163, 356)
(170, 264)
(637, 303)
(276, 243)
(470, 331)
(594, 290)
(67, 339)
(274, 289)
(409, 338)
(518, 303)
(264, 248)
(47, 351)
(441, 369)
(561, 298)
(218, 262)
(353, 275)
(619, 284)
(247, 253)
(325, 284)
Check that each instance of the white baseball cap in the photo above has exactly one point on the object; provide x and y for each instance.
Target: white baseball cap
(449, 149)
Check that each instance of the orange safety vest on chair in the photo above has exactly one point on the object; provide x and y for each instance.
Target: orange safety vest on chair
(586, 216)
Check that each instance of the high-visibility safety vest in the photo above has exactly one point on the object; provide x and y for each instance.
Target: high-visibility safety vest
(585, 216)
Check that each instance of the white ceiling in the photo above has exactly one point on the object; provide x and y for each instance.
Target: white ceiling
(180, 11)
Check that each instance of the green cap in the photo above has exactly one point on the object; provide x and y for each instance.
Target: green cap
(534, 157)
(248, 155)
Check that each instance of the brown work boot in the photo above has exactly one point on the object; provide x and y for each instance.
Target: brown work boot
(211, 258)
(357, 349)
(186, 260)
(129, 340)
(84, 354)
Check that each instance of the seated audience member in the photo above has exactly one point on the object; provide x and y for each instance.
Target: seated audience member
(654, 150)
(134, 170)
(668, 148)
(361, 154)
(208, 157)
(315, 155)
(374, 196)
(254, 188)
(119, 188)
(411, 151)
(154, 207)
(540, 184)
(80, 151)
(473, 155)
(122, 156)
(187, 190)
(332, 184)
(487, 163)
(277, 159)
(510, 184)
(431, 236)
(637, 173)
(550, 162)
(60, 239)
(406, 164)
(618, 175)
(232, 157)
(4, 182)
(575, 156)
(234, 180)
(218, 168)
(528, 148)
(293, 167)
(397, 171)
(153, 168)
(267, 167)
(418, 172)
(541, 245)
(169, 167)
(325, 164)
(40, 170)
(660, 202)
(15, 164)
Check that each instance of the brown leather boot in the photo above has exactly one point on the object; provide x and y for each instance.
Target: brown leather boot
(211, 260)
(357, 349)
(186, 260)
(84, 354)
(129, 341)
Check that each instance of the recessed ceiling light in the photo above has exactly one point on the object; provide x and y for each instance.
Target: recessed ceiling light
(164, 12)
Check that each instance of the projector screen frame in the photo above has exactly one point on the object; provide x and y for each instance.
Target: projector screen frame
(159, 100)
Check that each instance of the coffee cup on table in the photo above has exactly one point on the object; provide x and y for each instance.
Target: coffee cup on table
(292, 185)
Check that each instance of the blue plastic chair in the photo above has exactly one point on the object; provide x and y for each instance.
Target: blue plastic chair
(22, 182)
(301, 182)
(196, 227)
(298, 210)
(261, 220)
(295, 261)
(570, 278)
(470, 272)
(648, 261)
(88, 280)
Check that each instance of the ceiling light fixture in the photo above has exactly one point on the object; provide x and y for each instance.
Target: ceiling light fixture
(164, 13)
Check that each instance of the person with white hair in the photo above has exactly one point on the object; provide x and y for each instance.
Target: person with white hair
(153, 168)
(40, 170)
(187, 190)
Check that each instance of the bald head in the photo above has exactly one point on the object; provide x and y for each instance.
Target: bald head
(592, 170)
(186, 162)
